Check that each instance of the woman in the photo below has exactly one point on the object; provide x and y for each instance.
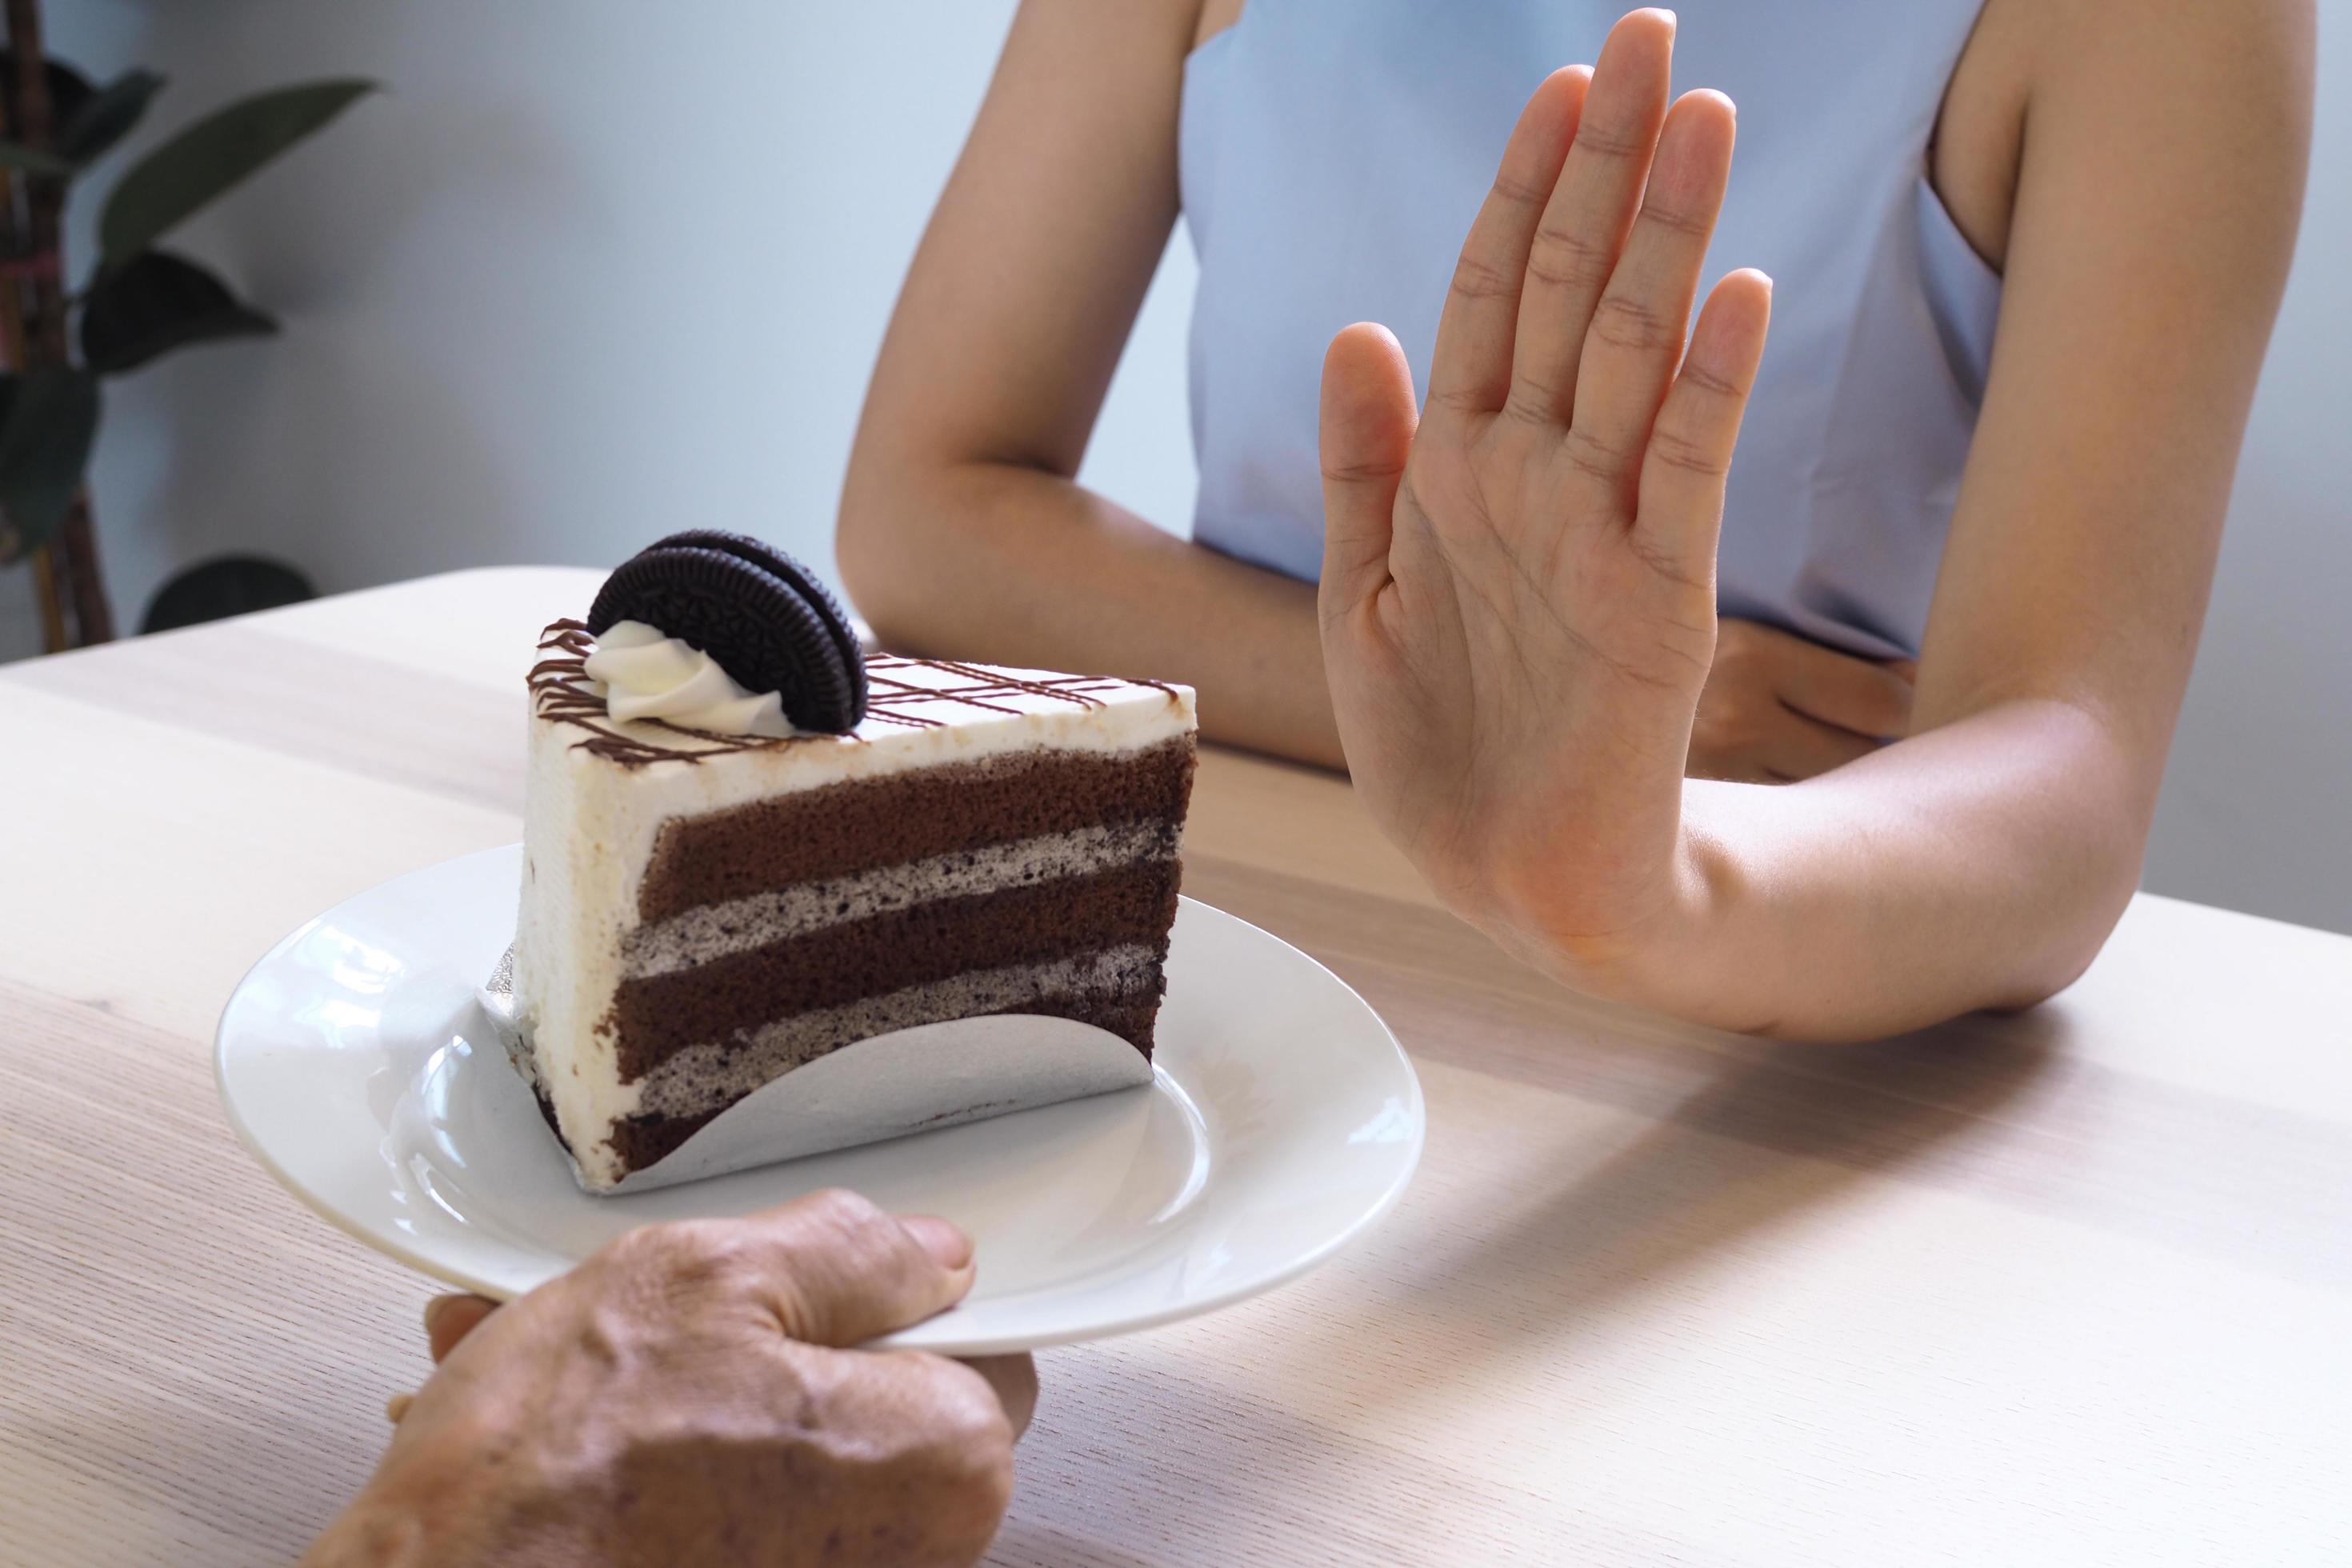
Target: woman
(2027, 255)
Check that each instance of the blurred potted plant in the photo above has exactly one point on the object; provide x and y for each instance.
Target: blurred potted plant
(136, 302)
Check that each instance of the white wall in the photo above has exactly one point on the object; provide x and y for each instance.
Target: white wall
(581, 277)
(576, 278)
(2257, 806)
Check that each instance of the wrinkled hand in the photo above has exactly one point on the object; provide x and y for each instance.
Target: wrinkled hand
(1517, 597)
(684, 1397)
(1778, 709)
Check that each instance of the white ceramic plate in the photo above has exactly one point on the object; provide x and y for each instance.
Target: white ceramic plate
(355, 1063)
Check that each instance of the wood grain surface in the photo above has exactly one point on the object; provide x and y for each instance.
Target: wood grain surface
(2069, 1286)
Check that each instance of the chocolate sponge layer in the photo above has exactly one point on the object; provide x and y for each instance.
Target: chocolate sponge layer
(851, 826)
(658, 1015)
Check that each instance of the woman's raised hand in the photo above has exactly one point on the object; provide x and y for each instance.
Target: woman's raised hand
(1517, 599)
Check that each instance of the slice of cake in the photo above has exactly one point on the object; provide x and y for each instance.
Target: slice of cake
(719, 888)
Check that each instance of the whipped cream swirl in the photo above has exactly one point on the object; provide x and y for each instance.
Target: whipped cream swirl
(648, 675)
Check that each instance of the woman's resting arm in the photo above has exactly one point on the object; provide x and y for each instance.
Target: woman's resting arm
(962, 532)
(1984, 862)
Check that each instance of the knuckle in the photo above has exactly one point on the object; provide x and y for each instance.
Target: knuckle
(1457, 400)
(1713, 382)
(1675, 221)
(1356, 473)
(1593, 457)
(678, 1256)
(640, 1250)
(836, 1212)
(1677, 448)
(1513, 188)
(1566, 260)
(1622, 322)
(838, 1235)
(1667, 562)
(1536, 403)
(1476, 277)
(1603, 141)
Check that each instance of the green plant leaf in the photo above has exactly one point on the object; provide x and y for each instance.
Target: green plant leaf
(69, 90)
(157, 302)
(106, 116)
(209, 157)
(45, 436)
(12, 156)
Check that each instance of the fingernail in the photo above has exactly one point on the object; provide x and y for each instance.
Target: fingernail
(436, 1307)
(397, 1406)
(948, 1245)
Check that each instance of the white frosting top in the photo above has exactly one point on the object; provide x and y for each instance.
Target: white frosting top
(646, 674)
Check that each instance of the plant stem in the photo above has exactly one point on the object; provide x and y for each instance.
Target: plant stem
(53, 608)
(42, 562)
(42, 333)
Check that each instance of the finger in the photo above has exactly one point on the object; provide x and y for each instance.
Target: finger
(1861, 695)
(1802, 748)
(1638, 328)
(1689, 451)
(1471, 368)
(1014, 1378)
(943, 1239)
(1576, 242)
(1367, 432)
(837, 1270)
(938, 1422)
(449, 1319)
(396, 1408)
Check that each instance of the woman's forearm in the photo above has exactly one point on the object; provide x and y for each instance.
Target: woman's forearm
(1980, 865)
(1013, 564)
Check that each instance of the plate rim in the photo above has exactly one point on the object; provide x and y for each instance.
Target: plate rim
(911, 1337)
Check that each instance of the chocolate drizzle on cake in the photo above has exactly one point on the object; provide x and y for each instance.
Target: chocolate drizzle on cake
(561, 693)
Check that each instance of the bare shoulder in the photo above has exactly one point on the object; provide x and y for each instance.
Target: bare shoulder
(2193, 116)
(2234, 74)
(2256, 55)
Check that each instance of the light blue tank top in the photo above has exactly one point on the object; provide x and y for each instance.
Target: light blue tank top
(1333, 153)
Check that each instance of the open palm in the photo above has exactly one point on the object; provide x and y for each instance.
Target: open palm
(1518, 586)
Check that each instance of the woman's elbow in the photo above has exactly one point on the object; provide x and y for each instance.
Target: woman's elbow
(2092, 904)
(878, 546)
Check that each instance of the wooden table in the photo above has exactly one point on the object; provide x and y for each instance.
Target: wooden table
(2073, 1287)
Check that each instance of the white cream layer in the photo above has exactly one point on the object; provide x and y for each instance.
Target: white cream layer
(703, 1078)
(590, 825)
(739, 925)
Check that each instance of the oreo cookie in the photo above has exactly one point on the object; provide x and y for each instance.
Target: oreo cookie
(804, 582)
(761, 615)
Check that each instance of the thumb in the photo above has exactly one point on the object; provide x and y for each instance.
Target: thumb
(837, 1270)
(1367, 432)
